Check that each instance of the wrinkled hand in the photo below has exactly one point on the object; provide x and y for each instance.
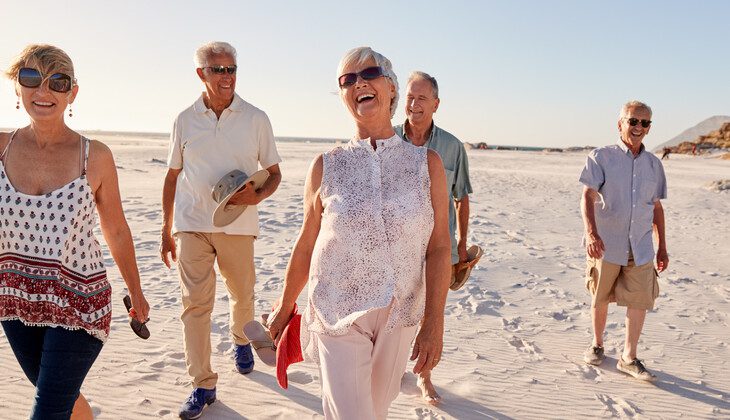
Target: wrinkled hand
(140, 308)
(594, 246)
(662, 260)
(245, 196)
(167, 246)
(277, 320)
(427, 347)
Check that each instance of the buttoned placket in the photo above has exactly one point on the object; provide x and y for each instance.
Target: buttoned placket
(633, 198)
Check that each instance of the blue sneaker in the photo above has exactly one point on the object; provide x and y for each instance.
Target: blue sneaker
(193, 407)
(244, 358)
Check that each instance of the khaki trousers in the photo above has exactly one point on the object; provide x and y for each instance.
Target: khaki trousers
(361, 371)
(196, 253)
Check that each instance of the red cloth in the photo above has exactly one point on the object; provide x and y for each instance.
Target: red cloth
(289, 350)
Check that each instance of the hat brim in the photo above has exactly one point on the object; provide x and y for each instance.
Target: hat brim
(224, 214)
(461, 275)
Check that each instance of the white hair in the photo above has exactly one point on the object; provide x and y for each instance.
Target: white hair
(360, 55)
(203, 53)
(634, 104)
(425, 76)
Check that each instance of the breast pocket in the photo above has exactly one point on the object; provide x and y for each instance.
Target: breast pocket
(647, 189)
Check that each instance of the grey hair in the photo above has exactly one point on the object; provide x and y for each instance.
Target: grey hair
(634, 104)
(360, 55)
(212, 48)
(425, 76)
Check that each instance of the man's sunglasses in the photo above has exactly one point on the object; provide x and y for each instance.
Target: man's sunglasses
(222, 69)
(634, 121)
(32, 78)
(370, 73)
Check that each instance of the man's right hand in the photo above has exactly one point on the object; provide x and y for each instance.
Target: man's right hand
(167, 246)
(594, 246)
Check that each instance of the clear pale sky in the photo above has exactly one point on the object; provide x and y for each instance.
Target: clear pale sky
(540, 73)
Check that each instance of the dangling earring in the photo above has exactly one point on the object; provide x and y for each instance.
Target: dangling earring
(70, 111)
(17, 104)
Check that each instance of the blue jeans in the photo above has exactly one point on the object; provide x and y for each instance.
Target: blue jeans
(56, 361)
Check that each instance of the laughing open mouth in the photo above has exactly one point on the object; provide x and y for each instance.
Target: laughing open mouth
(365, 97)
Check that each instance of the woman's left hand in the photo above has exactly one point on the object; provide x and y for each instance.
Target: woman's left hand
(428, 346)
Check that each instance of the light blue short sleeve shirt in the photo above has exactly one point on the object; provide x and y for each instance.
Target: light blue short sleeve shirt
(453, 155)
(628, 187)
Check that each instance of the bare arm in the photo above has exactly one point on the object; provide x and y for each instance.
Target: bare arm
(429, 342)
(114, 227)
(462, 226)
(167, 243)
(249, 196)
(662, 258)
(297, 272)
(594, 244)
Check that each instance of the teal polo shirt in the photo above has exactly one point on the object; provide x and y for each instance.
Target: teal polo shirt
(453, 154)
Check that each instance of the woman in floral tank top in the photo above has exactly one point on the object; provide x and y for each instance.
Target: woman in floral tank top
(375, 250)
(55, 300)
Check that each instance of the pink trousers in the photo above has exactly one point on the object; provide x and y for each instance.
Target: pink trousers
(361, 371)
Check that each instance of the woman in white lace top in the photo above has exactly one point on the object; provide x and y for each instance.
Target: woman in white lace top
(374, 248)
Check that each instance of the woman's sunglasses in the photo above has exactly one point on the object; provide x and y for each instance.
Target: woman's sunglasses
(370, 73)
(222, 69)
(634, 121)
(32, 78)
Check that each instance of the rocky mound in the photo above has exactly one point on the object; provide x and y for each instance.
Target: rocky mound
(718, 139)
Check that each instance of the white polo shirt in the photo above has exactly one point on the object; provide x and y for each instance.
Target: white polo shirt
(206, 148)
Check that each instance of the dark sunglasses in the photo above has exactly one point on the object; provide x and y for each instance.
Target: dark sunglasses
(634, 121)
(370, 73)
(222, 69)
(32, 78)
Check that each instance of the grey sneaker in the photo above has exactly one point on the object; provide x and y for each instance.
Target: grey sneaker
(594, 355)
(635, 369)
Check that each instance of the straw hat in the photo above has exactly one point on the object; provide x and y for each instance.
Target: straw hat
(462, 270)
(225, 214)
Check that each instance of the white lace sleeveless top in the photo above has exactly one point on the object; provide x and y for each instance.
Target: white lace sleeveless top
(375, 229)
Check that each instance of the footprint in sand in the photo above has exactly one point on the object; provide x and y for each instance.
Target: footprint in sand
(300, 377)
(512, 324)
(618, 407)
(525, 346)
(427, 414)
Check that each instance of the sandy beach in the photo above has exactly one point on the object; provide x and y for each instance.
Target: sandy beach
(515, 333)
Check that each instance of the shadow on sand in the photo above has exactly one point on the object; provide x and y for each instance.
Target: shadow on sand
(678, 386)
(453, 405)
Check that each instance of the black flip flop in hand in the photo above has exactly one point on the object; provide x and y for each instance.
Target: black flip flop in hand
(139, 328)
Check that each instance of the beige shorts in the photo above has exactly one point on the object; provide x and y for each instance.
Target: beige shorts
(630, 286)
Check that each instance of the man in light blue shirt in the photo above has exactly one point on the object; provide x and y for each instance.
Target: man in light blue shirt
(621, 208)
(422, 101)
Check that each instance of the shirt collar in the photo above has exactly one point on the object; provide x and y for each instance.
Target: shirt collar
(236, 105)
(431, 133)
(384, 143)
(626, 149)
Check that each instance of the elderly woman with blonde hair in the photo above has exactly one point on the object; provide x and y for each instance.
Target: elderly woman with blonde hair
(55, 300)
(375, 249)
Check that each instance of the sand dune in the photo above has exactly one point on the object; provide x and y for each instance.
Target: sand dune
(514, 334)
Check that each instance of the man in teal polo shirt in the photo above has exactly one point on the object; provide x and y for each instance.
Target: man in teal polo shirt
(422, 101)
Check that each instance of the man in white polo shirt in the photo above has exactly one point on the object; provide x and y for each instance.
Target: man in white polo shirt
(220, 132)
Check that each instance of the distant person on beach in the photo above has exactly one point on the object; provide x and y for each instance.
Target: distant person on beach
(623, 186)
(665, 153)
(55, 299)
(422, 101)
(219, 133)
(375, 220)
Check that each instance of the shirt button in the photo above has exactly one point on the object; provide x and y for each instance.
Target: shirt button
(634, 206)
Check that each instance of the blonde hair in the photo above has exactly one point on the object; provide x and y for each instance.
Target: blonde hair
(45, 58)
(634, 104)
(362, 54)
